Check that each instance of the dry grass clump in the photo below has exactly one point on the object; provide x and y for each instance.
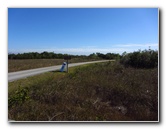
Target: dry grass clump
(95, 92)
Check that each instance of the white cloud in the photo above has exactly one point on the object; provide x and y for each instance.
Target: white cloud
(83, 51)
(86, 50)
(138, 45)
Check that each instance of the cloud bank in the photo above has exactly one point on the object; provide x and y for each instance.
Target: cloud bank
(119, 48)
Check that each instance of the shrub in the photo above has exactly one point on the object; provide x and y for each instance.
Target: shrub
(140, 59)
(20, 96)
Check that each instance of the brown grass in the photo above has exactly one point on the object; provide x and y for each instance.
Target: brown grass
(25, 64)
(96, 92)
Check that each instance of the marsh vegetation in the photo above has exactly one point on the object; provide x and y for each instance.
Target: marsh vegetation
(95, 92)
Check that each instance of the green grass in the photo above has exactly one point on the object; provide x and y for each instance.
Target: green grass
(25, 64)
(94, 92)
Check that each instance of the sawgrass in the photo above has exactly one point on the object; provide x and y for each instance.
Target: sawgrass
(93, 92)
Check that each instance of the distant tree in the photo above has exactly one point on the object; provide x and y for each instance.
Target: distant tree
(112, 56)
(93, 55)
(101, 55)
(11, 56)
(52, 55)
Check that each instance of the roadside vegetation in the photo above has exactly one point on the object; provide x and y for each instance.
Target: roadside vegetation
(25, 64)
(140, 59)
(25, 61)
(96, 92)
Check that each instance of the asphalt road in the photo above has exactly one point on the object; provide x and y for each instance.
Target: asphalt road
(26, 73)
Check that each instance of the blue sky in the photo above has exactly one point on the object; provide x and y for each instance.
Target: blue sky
(82, 30)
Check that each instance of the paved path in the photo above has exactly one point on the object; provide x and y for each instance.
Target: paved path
(26, 73)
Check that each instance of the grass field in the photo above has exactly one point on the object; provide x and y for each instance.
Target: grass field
(94, 92)
(25, 64)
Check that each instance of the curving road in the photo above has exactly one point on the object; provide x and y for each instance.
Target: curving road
(26, 73)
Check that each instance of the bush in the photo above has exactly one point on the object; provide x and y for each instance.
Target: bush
(140, 59)
(20, 96)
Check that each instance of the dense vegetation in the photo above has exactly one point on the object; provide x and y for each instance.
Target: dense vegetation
(137, 59)
(96, 92)
(52, 55)
(125, 91)
(140, 59)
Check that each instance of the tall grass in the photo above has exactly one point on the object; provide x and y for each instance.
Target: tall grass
(95, 92)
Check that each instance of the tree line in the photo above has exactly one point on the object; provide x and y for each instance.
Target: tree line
(52, 55)
(136, 59)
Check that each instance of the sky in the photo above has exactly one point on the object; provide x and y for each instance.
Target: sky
(82, 31)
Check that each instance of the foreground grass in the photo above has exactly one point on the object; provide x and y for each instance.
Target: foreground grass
(25, 64)
(95, 92)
